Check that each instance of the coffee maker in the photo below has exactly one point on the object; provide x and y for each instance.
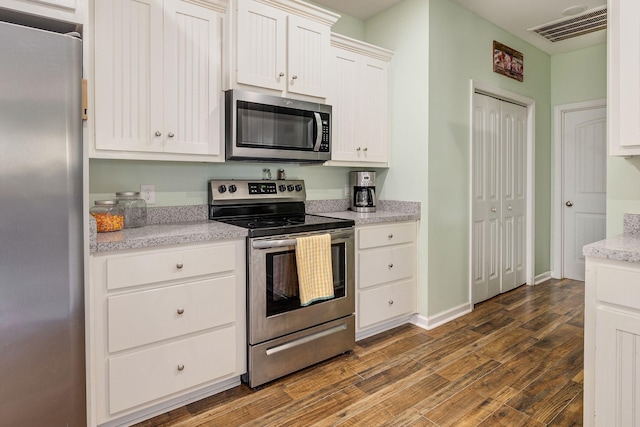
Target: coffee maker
(364, 191)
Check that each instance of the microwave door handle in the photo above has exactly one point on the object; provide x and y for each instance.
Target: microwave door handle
(316, 147)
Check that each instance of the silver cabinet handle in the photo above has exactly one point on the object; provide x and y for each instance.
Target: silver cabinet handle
(170, 135)
(569, 203)
(180, 311)
(493, 209)
(181, 367)
(390, 302)
(179, 266)
(281, 74)
(390, 265)
(294, 77)
(158, 133)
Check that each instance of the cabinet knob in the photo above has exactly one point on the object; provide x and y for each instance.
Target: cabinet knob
(179, 266)
(509, 207)
(493, 209)
(158, 133)
(390, 302)
(180, 311)
(358, 149)
(390, 236)
(281, 74)
(294, 77)
(569, 203)
(391, 265)
(365, 149)
(170, 135)
(181, 367)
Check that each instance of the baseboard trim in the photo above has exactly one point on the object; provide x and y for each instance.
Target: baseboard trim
(542, 277)
(439, 319)
(366, 333)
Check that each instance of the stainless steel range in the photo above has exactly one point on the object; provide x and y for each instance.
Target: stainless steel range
(283, 335)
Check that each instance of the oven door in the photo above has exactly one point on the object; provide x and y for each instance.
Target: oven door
(274, 307)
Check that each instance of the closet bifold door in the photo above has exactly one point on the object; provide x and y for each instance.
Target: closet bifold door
(498, 196)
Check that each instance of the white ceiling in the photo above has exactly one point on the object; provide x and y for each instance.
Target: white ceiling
(515, 16)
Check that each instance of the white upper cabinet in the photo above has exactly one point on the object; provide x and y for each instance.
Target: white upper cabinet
(62, 10)
(280, 46)
(624, 77)
(359, 95)
(158, 80)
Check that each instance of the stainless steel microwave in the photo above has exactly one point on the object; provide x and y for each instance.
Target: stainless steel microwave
(271, 128)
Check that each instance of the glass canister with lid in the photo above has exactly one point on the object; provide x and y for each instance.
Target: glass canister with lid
(108, 214)
(135, 208)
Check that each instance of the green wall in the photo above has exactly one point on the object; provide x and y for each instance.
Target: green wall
(459, 46)
(404, 30)
(579, 76)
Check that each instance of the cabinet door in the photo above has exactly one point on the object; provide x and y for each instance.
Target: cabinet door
(62, 10)
(617, 379)
(373, 100)
(128, 74)
(308, 56)
(344, 100)
(624, 80)
(192, 80)
(261, 43)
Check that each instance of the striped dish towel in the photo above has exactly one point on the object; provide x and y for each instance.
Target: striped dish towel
(315, 272)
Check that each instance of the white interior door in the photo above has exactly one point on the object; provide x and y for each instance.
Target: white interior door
(485, 190)
(499, 171)
(584, 185)
(514, 196)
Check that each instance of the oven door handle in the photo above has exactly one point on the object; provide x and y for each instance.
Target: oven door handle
(266, 244)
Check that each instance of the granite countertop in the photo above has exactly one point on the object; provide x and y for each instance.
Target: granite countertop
(625, 247)
(189, 224)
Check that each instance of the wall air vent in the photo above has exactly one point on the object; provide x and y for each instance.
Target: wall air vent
(591, 21)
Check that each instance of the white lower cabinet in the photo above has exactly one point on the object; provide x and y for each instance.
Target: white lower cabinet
(612, 343)
(385, 276)
(166, 326)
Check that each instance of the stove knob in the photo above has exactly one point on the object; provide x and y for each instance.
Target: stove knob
(232, 188)
(282, 187)
(222, 188)
(298, 187)
(290, 187)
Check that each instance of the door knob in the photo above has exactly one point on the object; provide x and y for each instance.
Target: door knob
(569, 203)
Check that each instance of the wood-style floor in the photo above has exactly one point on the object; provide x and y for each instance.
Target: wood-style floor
(516, 360)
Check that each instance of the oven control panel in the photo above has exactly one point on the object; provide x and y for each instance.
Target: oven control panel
(243, 191)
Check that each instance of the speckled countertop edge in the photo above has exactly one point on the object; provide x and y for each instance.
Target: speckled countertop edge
(189, 224)
(625, 247)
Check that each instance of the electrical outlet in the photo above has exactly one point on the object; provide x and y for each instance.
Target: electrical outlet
(148, 193)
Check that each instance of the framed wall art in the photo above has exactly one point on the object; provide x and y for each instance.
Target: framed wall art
(508, 62)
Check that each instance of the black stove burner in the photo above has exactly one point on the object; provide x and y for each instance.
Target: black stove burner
(271, 219)
(269, 226)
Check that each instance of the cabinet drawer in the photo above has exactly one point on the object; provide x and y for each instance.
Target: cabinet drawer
(388, 234)
(385, 265)
(133, 270)
(384, 303)
(141, 377)
(618, 286)
(149, 316)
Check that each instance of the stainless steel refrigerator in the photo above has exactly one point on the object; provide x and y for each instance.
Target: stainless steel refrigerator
(42, 356)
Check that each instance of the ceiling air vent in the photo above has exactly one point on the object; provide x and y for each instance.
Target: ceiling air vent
(567, 28)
